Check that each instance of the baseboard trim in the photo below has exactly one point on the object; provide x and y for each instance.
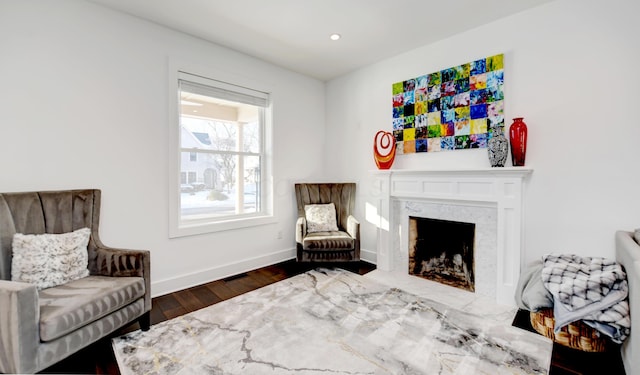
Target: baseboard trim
(368, 256)
(166, 286)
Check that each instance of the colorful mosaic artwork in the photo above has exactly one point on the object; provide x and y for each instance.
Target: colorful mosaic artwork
(455, 108)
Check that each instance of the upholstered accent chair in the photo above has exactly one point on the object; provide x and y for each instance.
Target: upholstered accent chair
(39, 327)
(339, 244)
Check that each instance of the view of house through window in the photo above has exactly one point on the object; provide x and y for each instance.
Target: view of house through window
(221, 143)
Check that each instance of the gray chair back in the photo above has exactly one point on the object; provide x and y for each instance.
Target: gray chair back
(343, 195)
(47, 212)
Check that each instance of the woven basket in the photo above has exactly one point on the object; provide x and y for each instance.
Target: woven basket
(576, 335)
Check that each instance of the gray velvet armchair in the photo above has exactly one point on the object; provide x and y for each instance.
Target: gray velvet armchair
(328, 246)
(41, 327)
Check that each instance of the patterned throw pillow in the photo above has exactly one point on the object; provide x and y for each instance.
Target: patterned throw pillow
(48, 260)
(321, 217)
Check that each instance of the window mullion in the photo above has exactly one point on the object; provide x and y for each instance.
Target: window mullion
(240, 172)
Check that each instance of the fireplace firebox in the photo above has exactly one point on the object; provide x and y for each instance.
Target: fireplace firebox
(442, 251)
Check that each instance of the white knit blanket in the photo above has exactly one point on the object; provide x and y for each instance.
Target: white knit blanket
(590, 289)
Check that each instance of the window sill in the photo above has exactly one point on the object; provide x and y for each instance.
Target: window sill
(195, 228)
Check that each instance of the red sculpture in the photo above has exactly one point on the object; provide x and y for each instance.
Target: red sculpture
(386, 142)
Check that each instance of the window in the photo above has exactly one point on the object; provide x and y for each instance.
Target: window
(222, 158)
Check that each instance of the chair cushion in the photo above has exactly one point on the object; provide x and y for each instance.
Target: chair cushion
(328, 241)
(68, 307)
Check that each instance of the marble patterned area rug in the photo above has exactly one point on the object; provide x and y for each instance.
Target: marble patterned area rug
(331, 322)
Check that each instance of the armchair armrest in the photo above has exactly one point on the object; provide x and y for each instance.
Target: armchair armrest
(353, 227)
(124, 262)
(19, 327)
(301, 229)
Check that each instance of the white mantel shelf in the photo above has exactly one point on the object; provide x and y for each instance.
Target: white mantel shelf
(497, 171)
(502, 188)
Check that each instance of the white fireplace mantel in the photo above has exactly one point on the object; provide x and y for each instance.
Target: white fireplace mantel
(499, 187)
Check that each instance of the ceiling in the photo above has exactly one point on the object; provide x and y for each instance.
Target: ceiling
(294, 34)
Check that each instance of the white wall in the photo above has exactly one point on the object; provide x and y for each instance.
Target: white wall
(571, 72)
(83, 104)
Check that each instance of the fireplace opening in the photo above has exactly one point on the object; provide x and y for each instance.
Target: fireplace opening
(442, 251)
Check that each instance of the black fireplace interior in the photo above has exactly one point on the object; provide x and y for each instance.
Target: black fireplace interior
(442, 251)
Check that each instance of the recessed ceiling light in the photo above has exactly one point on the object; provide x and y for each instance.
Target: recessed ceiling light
(335, 36)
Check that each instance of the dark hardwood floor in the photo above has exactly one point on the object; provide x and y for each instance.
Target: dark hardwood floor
(99, 359)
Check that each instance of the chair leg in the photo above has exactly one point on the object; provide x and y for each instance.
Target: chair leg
(145, 321)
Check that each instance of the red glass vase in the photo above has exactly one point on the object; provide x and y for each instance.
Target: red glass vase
(518, 141)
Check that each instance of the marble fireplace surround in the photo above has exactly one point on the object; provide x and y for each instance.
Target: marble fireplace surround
(492, 198)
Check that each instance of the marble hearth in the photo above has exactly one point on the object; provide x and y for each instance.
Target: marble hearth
(491, 198)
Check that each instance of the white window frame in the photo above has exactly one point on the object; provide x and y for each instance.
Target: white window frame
(179, 228)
